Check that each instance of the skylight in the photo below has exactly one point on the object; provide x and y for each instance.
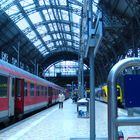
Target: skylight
(68, 36)
(65, 15)
(31, 35)
(51, 14)
(54, 36)
(41, 29)
(76, 18)
(67, 27)
(47, 37)
(50, 45)
(26, 3)
(46, 14)
(47, 23)
(23, 24)
(37, 43)
(63, 2)
(12, 10)
(35, 17)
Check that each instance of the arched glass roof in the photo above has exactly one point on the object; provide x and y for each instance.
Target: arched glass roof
(49, 24)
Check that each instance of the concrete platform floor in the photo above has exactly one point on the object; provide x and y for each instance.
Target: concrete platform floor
(63, 124)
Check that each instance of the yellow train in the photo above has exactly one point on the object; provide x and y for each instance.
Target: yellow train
(119, 94)
(102, 94)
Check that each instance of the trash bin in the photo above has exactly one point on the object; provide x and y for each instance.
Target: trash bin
(83, 108)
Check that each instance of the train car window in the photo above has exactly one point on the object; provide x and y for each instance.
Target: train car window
(118, 91)
(42, 90)
(104, 94)
(3, 86)
(31, 89)
(46, 91)
(25, 89)
(37, 90)
(13, 87)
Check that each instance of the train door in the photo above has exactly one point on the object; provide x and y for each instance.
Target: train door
(11, 97)
(50, 93)
(19, 96)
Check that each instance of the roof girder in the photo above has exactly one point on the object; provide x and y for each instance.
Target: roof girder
(50, 33)
(31, 24)
(18, 15)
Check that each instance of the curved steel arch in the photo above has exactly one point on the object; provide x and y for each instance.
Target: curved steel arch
(58, 56)
(52, 21)
(50, 41)
(53, 32)
(68, 48)
(17, 15)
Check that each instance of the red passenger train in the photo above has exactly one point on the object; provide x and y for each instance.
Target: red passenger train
(22, 92)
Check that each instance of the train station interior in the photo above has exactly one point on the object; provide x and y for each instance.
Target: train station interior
(87, 50)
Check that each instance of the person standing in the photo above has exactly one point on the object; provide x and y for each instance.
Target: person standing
(61, 98)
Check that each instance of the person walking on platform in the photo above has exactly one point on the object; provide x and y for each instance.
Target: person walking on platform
(61, 99)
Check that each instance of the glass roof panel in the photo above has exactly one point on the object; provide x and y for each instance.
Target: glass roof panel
(45, 53)
(67, 27)
(51, 27)
(68, 36)
(54, 36)
(5, 3)
(55, 26)
(50, 13)
(42, 48)
(58, 35)
(76, 30)
(57, 43)
(76, 38)
(37, 43)
(63, 2)
(50, 20)
(41, 2)
(59, 12)
(46, 38)
(29, 7)
(69, 43)
(12, 10)
(76, 18)
(76, 6)
(60, 42)
(65, 14)
(41, 29)
(46, 14)
(47, 2)
(31, 35)
(26, 2)
(23, 24)
(50, 45)
(35, 17)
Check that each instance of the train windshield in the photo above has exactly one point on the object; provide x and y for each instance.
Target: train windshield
(118, 91)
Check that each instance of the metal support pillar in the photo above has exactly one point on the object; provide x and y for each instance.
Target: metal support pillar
(82, 76)
(92, 95)
(82, 79)
(79, 78)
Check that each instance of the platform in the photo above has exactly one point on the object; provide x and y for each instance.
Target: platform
(63, 124)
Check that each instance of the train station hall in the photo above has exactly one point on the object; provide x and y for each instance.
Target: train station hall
(69, 70)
